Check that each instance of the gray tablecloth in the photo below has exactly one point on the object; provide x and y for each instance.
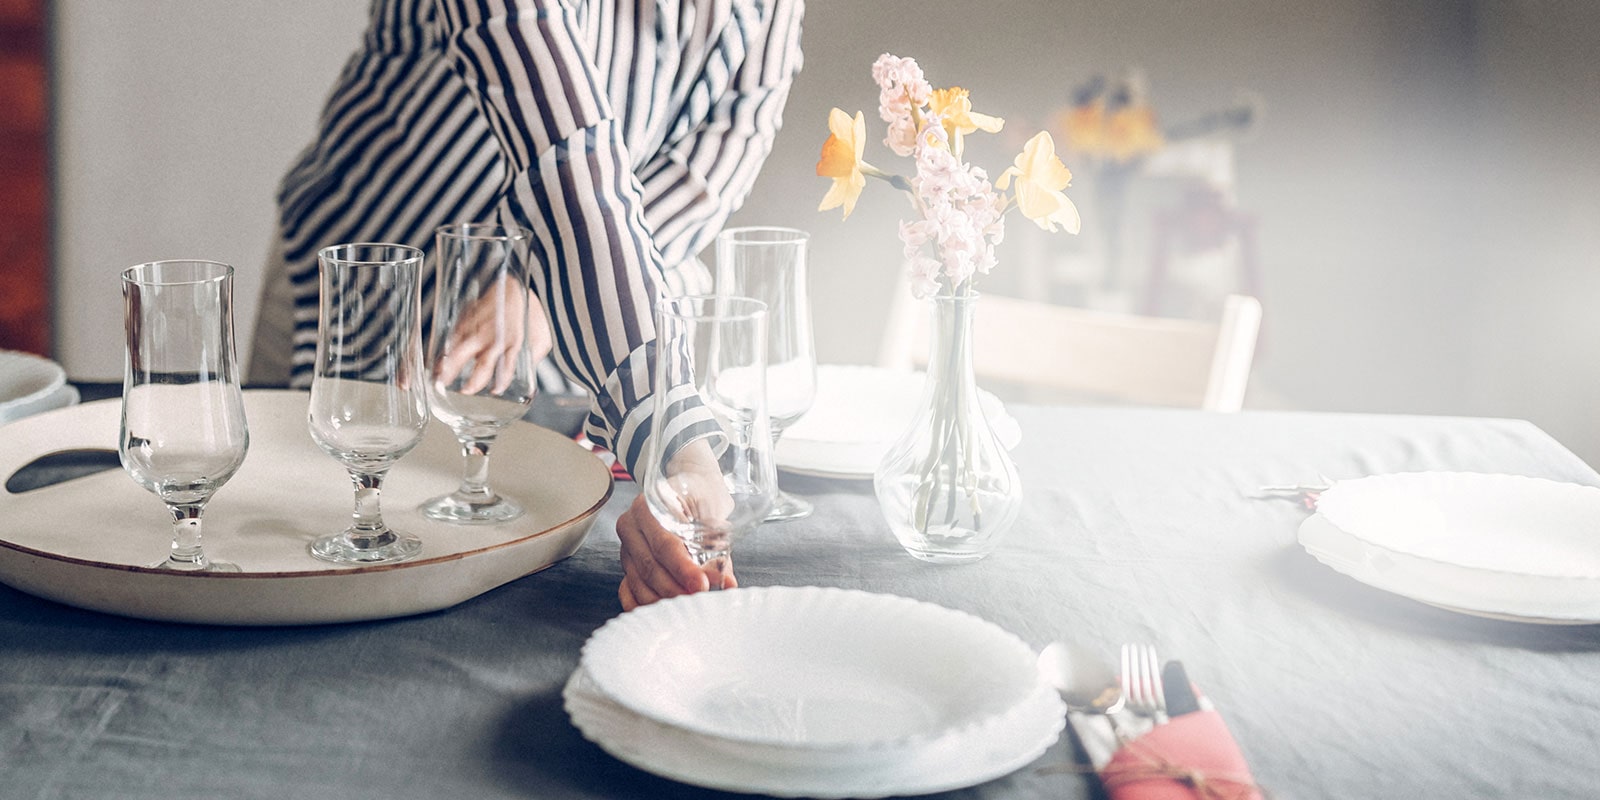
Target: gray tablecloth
(1136, 527)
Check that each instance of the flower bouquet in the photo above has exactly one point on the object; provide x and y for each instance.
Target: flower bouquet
(947, 488)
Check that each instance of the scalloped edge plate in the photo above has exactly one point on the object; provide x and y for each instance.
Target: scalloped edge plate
(816, 670)
(1443, 586)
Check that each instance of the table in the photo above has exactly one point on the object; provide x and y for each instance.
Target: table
(1136, 527)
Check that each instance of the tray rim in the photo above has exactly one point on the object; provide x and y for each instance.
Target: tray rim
(583, 518)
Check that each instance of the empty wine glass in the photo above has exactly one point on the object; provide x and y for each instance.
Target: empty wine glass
(183, 425)
(769, 265)
(480, 366)
(369, 401)
(708, 473)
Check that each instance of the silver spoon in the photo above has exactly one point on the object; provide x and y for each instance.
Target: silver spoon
(1087, 684)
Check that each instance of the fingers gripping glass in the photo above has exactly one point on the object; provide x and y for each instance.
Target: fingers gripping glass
(368, 390)
(708, 469)
(183, 431)
(481, 375)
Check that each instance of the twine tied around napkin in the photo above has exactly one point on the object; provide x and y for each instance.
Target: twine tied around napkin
(1206, 785)
(1192, 756)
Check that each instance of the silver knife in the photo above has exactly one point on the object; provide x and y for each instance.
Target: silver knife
(1177, 689)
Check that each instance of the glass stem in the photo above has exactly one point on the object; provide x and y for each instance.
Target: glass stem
(186, 550)
(722, 567)
(779, 499)
(475, 477)
(369, 532)
(720, 559)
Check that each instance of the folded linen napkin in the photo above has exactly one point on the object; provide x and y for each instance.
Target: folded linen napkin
(618, 471)
(1192, 756)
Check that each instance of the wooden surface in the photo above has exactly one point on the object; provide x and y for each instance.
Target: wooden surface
(24, 178)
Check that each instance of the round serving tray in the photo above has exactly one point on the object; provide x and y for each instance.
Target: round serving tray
(89, 542)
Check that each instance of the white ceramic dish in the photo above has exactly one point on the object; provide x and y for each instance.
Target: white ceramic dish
(30, 385)
(815, 670)
(718, 764)
(857, 414)
(1503, 546)
(88, 542)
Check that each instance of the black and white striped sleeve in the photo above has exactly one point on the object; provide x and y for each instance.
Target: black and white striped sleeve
(569, 180)
(695, 183)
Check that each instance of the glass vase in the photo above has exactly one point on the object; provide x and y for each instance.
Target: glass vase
(947, 487)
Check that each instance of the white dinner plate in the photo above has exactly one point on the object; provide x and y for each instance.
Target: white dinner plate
(89, 542)
(816, 691)
(717, 764)
(857, 414)
(1502, 546)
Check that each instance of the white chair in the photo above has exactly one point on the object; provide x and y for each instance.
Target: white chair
(1096, 354)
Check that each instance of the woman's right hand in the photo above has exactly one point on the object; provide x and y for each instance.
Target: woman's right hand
(655, 562)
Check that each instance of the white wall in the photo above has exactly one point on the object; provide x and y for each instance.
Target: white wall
(175, 120)
(1424, 177)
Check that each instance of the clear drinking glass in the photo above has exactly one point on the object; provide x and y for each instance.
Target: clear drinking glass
(183, 424)
(369, 402)
(769, 265)
(480, 367)
(708, 474)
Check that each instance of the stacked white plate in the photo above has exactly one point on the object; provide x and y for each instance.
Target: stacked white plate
(1502, 546)
(857, 413)
(30, 385)
(813, 692)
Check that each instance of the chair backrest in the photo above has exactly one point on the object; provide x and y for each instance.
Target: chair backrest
(1137, 359)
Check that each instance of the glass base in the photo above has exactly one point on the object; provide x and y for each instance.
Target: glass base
(946, 556)
(207, 565)
(343, 548)
(459, 508)
(786, 506)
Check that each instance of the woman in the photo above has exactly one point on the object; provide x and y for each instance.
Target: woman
(622, 133)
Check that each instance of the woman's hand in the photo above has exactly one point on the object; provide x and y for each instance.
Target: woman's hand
(482, 340)
(656, 563)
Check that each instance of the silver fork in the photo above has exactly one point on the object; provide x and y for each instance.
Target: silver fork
(1141, 682)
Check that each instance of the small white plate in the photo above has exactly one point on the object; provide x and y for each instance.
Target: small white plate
(857, 414)
(30, 384)
(1502, 546)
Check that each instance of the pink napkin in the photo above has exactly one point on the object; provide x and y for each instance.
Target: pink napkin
(618, 471)
(1192, 756)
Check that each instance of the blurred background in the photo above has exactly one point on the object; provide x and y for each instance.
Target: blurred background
(1415, 198)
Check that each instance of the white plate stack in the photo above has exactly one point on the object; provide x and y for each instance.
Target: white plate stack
(30, 385)
(857, 414)
(1501, 546)
(813, 692)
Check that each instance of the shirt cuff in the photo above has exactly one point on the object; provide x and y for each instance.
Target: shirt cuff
(621, 417)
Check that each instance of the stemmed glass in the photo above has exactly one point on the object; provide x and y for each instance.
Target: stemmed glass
(481, 369)
(369, 401)
(769, 265)
(183, 425)
(708, 474)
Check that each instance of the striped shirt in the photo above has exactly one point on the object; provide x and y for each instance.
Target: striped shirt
(622, 133)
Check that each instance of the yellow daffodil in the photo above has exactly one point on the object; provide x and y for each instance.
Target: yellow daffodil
(1040, 178)
(841, 160)
(1132, 132)
(1085, 128)
(955, 108)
